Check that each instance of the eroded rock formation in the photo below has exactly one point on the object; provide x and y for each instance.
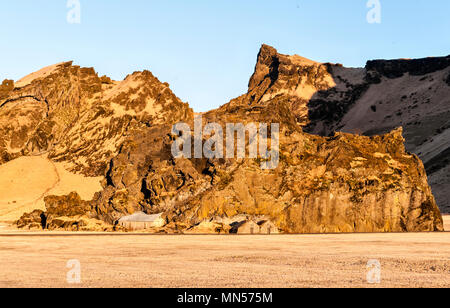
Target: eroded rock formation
(337, 182)
(386, 94)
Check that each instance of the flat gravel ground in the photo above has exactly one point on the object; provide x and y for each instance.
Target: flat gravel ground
(407, 260)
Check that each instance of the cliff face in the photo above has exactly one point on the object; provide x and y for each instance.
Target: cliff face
(386, 94)
(339, 184)
(343, 183)
(122, 132)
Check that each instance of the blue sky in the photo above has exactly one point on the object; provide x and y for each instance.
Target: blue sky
(206, 49)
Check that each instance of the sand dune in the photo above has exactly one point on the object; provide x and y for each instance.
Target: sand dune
(24, 182)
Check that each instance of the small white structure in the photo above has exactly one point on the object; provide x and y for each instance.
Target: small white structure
(142, 221)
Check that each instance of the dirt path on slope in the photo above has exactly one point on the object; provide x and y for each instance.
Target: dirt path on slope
(24, 182)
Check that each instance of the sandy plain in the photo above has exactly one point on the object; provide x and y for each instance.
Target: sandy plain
(39, 259)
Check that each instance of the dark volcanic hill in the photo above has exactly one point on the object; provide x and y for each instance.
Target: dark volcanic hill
(324, 182)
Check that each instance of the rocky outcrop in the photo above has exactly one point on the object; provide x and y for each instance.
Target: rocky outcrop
(337, 182)
(290, 79)
(341, 184)
(77, 117)
(6, 87)
(34, 220)
(386, 94)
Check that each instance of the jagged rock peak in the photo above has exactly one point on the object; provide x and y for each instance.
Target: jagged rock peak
(269, 61)
(289, 79)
